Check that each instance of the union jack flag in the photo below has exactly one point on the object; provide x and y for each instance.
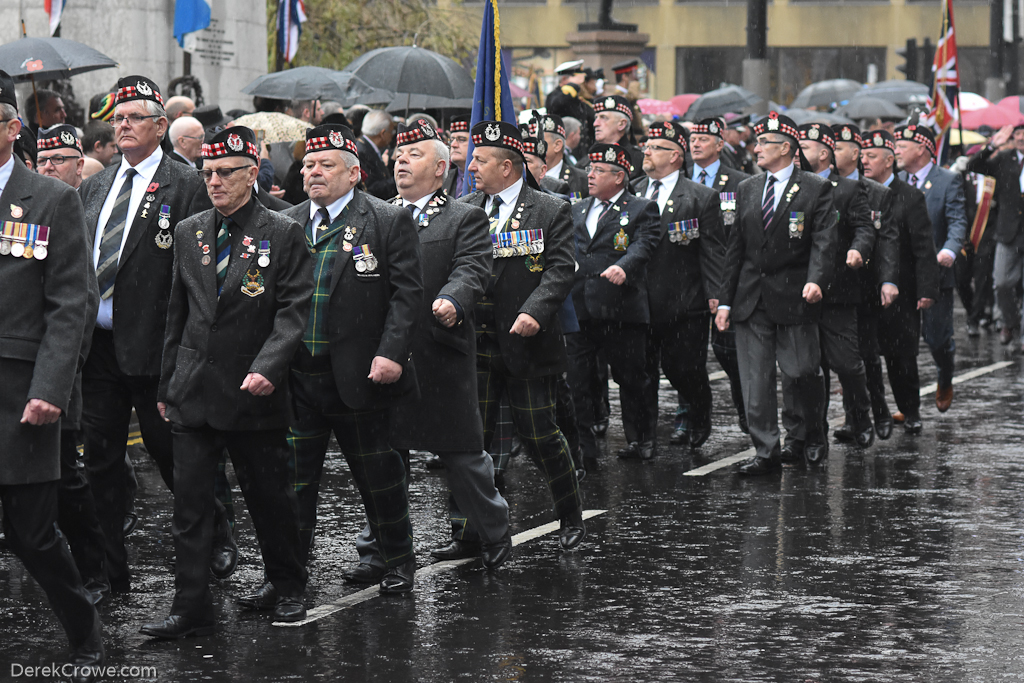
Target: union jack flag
(945, 110)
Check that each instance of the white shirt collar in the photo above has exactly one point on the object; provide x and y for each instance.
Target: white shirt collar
(784, 175)
(922, 174)
(5, 172)
(555, 171)
(668, 183)
(597, 202)
(420, 203)
(334, 208)
(511, 193)
(711, 169)
(145, 168)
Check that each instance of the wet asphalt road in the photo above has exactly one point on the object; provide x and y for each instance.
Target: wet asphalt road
(902, 562)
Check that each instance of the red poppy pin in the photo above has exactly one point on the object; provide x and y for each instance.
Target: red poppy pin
(153, 187)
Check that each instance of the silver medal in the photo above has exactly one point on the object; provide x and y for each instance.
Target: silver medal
(360, 266)
(5, 247)
(17, 249)
(164, 239)
(40, 252)
(263, 261)
(164, 224)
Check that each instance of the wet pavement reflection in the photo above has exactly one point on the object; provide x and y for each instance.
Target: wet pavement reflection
(901, 562)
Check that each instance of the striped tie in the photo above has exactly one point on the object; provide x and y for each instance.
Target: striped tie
(768, 207)
(913, 180)
(657, 190)
(113, 232)
(223, 254)
(703, 179)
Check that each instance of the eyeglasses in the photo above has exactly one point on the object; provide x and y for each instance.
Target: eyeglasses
(764, 143)
(600, 171)
(56, 160)
(222, 173)
(656, 148)
(192, 137)
(133, 119)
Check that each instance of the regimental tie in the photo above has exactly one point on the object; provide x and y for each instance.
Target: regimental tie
(768, 207)
(113, 232)
(223, 254)
(703, 177)
(325, 220)
(913, 180)
(657, 190)
(493, 215)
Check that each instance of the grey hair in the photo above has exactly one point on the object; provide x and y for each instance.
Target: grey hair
(8, 111)
(376, 122)
(421, 115)
(329, 107)
(571, 124)
(441, 153)
(349, 158)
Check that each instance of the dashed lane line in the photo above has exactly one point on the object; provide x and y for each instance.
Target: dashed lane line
(340, 604)
(926, 390)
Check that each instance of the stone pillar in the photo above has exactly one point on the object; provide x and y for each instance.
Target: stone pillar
(756, 79)
(603, 49)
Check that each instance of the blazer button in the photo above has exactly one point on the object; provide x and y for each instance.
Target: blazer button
(483, 326)
(213, 328)
(483, 299)
(762, 274)
(210, 360)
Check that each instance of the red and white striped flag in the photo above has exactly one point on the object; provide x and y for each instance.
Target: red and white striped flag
(945, 101)
(54, 8)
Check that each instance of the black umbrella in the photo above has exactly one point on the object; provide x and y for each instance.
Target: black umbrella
(410, 71)
(826, 93)
(728, 98)
(313, 82)
(49, 59)
(421, 102)
(902, 93)
(802, 116)
(870, 107)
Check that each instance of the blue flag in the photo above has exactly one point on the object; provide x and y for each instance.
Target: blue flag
(190, 16)
(491, 101)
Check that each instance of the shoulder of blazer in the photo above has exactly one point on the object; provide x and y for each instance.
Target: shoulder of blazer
(752, 182)
(98, 184)
(700, 190)
(192, 223)
(472, 198)
(298, 213)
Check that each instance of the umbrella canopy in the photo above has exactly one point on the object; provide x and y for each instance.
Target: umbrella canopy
(48, 59)
(867, 107)
(276, 127)
(728, 98)
(410, 102)
(683, 102)
(970, 137)
(802, 116)
(1013, 103)
(826, 93)
(993, 116)
(415, 71)
(902, 93)
(656, 107)
(310, 82)
(970, 101)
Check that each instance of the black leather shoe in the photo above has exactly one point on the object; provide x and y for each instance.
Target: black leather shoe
(434, 463)
(131, 522)
(815, 453)
(363, 573)
(844, 434)
(758, 466)
(679, 435)
(177, 626)
(600, 428)
(699, 434)
(883, 426)
(865, 437)
(456, 550)
(87, 658)
(399, 579)
(264, 598)
(224, 558)
(290, 609)
(647, 450)
(912, 424)
(632, 451)
(793, 451)
(495, 554)
(743, 424)
(572, 531)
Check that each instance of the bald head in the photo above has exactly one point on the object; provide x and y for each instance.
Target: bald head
(186, 135)
(91, 167)
(179, 106)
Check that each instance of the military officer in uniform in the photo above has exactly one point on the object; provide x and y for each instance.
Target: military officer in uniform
(944, 193)
(899, 324)
(456, 246)
(240, 298)
(354, 362)
(877, 278)
(568, 99)
(131, 211)
(682, 277)
(458, 145)
(706, 146)
(44, 274)
(855, 242)
(780, 257)
(520, 351)
(613, 118)
(616, 236)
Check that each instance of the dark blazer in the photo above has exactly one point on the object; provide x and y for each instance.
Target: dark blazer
(271, 202)
(555, 186)
(682, 277)
(450, 182)
(515, 289)
(43, 317)
(766, 263)
(576, 178)
(593, 296)
(884, 264)
(213, 343)
(456, 251)
(919, 275)
(854, 230)
(726, 180)
(944, 195)
(373, 314)
(1009, 220)
(380, 182)
(143, 282)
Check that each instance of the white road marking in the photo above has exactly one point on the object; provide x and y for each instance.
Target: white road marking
(930, 389)
(330, 608)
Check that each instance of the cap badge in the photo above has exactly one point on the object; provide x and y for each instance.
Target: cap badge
(813, 134)
(67, 138)
(908, 134)
(427, 130)
(877, 141)
(336, 139)
(235, 142)
(492, 132)
(773, 124)
(609, 103)
(609, 155)
(713, 128)
(143, 89)
(670, 132)
(847, 135)
(549, 124)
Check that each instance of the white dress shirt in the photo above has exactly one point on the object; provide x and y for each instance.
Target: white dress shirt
(5, 172)
(334, 208)
(555, 171)
(921, 176)
(420, 204)
(509, 197)
(145, 169)
(668, 186)
(781, 180)
(596, 208)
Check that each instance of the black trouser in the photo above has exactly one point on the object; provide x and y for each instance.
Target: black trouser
(724, 346)
(565, 415)
(682, 349)
(974, 279)
(77, 516)
(899, 335)
(625, 345)
(260, 460)
(867, 338)
(840, 349)
(30, 515)
(108, 396)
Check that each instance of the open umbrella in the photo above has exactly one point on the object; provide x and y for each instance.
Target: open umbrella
(728, 98)
(408, 71)
(970, 101)
(1013, 103)
(867, 107)
(419, 102)
(993, 117)
(826, 93)
(902, 93)
(311, 82)
(49, 59)
(276, 127)
(802, 116)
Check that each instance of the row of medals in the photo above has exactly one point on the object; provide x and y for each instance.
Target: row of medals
(21, 250)
(363, 264)
(534, 247)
